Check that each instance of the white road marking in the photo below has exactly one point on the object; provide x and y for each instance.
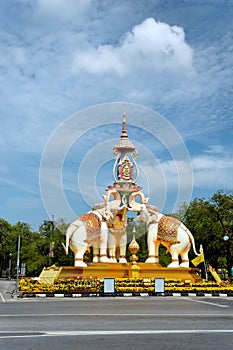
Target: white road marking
(208, 302)
(2, 297)
(157, 315)
(140, 331)
(6, 335)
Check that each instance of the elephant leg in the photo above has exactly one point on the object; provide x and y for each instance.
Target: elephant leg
(112, 248)
(78, 258)
(79, 246)
(112, 254)
(184, 252)
(157, 244)
(103, 245)
(103, 255)
(174, 251)
(122, 245)
(96, 252)
(182, 249)
(152, 252)
(185, 260)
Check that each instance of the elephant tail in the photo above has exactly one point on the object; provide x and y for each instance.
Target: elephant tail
(192, 240)
(68, 236)
(66, 247)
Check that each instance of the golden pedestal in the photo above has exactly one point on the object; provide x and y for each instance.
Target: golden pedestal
(127, 270)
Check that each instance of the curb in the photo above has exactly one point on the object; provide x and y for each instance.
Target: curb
(81, 295)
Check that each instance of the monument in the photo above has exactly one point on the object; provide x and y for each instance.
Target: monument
(104, 228)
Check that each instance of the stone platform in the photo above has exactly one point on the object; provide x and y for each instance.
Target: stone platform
(119, 270)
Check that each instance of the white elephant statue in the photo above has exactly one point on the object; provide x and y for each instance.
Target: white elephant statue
(119, 204)
(169, 232)
(117, 227)
(118, 237)
(117, 246)
(89, 230)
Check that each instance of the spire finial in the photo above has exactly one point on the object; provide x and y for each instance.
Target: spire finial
(124, 134)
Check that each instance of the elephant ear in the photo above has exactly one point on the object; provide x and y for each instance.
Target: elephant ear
(99, 206)
(153, 209)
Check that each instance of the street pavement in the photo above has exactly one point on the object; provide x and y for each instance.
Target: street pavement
(161, 323)
(6, 289)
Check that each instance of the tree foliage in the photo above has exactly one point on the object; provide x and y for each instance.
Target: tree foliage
(209, 221)
(34, 247)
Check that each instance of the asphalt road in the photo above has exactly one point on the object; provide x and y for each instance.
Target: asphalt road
(160, 323)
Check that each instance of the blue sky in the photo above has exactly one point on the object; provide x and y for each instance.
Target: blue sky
(66, 69)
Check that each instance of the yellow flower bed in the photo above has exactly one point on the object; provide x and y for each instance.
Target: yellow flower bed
(122, 285)
(29, 285)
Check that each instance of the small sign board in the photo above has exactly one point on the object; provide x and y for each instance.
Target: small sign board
(109, 286)
(159, 285)
(49, 274)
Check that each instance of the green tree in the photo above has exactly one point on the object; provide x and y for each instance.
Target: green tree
(222, 204)
(209, 220)
(7, 247)
(30, 255)
(181, 212)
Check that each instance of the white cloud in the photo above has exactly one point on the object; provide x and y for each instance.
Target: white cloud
(212, 169)
(214, 149)
(61, 10)
(151, 46)
(60, 56)
(58, 71)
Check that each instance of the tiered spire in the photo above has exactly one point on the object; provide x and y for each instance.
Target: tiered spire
(124, 146)
(125, 153)
(124, 134)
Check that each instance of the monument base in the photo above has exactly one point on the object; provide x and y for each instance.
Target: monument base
(118, 270)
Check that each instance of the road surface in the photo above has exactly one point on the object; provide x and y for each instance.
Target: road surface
(161, 323)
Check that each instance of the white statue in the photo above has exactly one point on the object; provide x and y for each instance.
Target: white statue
(118, 236)
(169, 232)
(89, 230)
